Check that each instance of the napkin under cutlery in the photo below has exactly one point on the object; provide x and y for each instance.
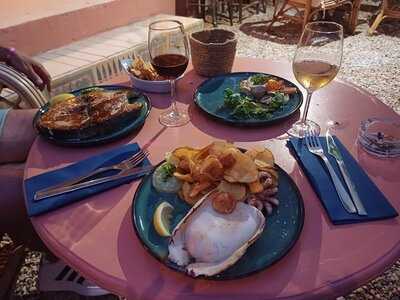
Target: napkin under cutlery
(376, 204)
(36, 183)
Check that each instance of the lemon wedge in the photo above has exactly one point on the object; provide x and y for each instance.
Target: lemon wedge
(161, 218)
(61, 97)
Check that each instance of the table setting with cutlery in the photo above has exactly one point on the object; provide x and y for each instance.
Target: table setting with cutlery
(199, 184)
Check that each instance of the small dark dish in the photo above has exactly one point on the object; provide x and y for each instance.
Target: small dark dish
(95, 134)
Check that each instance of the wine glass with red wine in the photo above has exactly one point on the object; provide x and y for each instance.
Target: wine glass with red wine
(316, 62)
(169, 54)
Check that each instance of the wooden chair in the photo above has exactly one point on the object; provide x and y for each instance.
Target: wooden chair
(237, 8)
(388, 10)
(305, 10)
(200, 8)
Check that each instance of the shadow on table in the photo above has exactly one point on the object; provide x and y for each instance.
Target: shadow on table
(185, 89)
(71, 223)
(225, 131)
(378, 167)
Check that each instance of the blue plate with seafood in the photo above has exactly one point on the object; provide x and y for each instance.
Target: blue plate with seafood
(282, 227)
(93, 115)
(248, 98)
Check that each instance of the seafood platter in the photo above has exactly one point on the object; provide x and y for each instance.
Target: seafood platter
(218, 212)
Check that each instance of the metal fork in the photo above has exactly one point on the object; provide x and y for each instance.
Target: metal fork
(126, 164)
(314, 146)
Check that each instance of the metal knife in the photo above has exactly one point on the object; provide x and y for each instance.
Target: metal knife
(334, 151)
(46, 193)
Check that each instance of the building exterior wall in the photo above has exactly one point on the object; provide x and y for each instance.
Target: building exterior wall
(49, 32)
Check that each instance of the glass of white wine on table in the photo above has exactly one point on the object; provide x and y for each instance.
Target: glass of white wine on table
(169, 54)
(316, 63)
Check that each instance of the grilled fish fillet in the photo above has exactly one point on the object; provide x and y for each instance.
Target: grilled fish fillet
(106, 106)
(66, 115)
(93, 108)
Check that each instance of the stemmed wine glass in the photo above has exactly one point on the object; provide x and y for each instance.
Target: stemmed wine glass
(169, 54)
(316, 62)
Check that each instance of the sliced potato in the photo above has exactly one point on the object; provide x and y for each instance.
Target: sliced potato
(262, 165)
(218, 147)
(202, 154)
(184, 193)
(185, 152)
(212, 168)
(255, 187)
(229, 178)
(244, 170)
(198, 187)
(236, 190)
(183, 177)
(262, 157)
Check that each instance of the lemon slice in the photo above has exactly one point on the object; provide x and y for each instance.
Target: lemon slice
(61, 97)
(161, 218)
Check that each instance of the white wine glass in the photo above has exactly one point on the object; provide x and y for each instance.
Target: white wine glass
(169, 54)
(316, 63)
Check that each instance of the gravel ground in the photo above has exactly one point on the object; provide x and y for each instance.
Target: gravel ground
(372, 62)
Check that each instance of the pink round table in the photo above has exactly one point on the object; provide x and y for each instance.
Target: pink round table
(96, 236)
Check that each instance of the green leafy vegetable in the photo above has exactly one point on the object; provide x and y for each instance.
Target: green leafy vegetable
(244, 107)
(167, 170)
(259, 79)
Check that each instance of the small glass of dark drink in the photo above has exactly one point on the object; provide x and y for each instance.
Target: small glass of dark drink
(169, 54)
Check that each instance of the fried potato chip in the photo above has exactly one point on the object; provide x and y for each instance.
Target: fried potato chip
(143, 70)
(182, 157)
(223, 166)
(218, 147)
(255, 187)
(236, 190)
(184, 177)
(202, 154)
(186, 152)
(198, 187)
(212, 168)
(227, 159)
(244, 170)
(262, 157)
(184, 194)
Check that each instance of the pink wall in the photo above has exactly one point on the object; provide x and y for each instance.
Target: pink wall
(55, 31)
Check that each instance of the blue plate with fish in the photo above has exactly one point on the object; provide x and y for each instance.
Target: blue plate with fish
(105, 132)
(209, 97)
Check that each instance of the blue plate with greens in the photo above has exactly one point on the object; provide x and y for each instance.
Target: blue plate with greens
(221, 98)
(282, 230)
(102, 133)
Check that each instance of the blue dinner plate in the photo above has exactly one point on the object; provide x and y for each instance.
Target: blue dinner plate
(209, 97)
(118, 129)
(281, 232)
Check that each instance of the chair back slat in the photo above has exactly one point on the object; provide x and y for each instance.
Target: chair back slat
(24, 93)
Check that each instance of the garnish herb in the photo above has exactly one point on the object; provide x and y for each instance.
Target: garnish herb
(244, 107)
(167, 170)
(259, 79)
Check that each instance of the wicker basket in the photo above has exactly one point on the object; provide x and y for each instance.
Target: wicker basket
(213, 51)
